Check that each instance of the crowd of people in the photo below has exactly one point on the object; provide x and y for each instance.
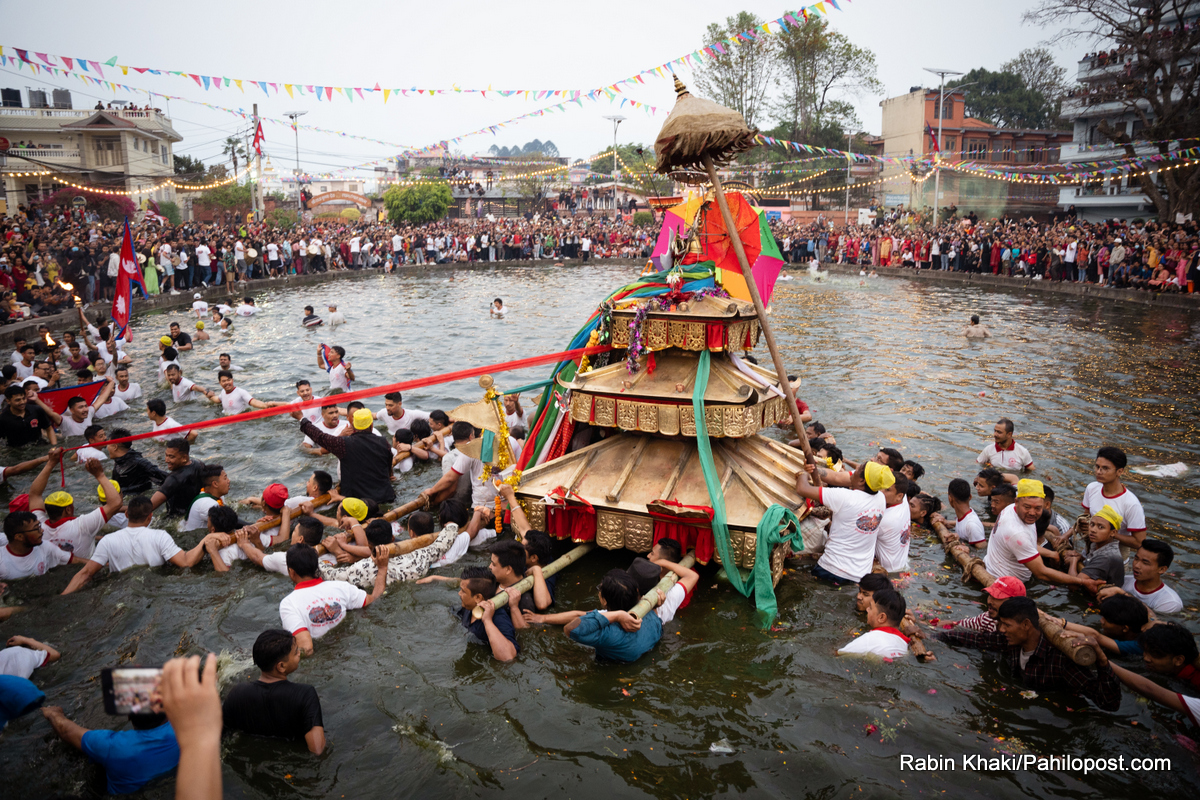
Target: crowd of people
(339, 548)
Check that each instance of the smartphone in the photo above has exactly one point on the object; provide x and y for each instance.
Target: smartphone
(132, 690)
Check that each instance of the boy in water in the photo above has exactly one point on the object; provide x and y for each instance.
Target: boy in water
(477, 586)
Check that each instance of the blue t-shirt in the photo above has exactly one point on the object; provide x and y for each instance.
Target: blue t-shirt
(1129, 649)
(131, 759)
(614, 643)
(18, 696)
(501, 619)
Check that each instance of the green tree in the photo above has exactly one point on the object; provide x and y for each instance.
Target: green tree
(1161, 91)
(188, 167)
(742, 77)
(282, 217)
(229, 196)
(170, 210)
(234, 148)
(1002, 99)
(819, 69)
(1039, 69)
(352, 214)
(423, 202)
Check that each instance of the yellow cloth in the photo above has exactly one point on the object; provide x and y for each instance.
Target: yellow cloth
(61, 499)
(363, 419)
(1028, 487)
(878, 476)
(1111, 516)
(100, 490)
(165, 340)
(355, 508)
(199, 326)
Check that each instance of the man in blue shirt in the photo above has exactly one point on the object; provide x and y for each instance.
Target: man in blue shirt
(131, 759)
(618, 592)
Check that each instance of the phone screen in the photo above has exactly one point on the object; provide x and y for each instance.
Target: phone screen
(132, 690)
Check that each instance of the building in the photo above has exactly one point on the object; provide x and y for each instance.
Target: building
(1099, 98)
(965, 139)
(125, 148)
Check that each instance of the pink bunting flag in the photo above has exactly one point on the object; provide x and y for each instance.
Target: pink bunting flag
(45, 58)
(96, 66)
(328, 92)
(68, 62)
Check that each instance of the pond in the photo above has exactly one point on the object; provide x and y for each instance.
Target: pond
(719, 707)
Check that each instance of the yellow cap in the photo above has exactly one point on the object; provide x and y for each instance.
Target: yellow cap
(355, 508)
(61, 499)
(363, 419)
(199, 326)
(1111, 516)
(878, 476)
(100, 491)
(165, 340)
(1028, 487)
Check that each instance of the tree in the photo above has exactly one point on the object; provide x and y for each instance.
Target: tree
(1159, 92)
(170, 210)
(742, 77)
(1002, 99)
(106, 205)
(1040, 71)
(422, 202)
(229, 196)
(533, 181)
(234, 148)
(188, 167)
(818, 69)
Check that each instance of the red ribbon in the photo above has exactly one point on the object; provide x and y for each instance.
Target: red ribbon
(345, 397)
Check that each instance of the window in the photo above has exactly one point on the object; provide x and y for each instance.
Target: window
(977, 149)
(948, 144)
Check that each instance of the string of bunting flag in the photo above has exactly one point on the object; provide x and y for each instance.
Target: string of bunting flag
(94, 68)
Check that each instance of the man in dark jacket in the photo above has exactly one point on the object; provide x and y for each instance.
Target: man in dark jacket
(366, 459)
(131, 470)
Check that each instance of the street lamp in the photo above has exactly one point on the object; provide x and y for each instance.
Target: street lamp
(941, 109)
(849, 147)
(616, 121)
(299, 201)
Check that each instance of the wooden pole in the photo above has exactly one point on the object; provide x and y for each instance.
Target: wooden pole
(400, 548)
(650, 599)
(909, 629)
(266, 523)
(1079, 652)
(764, 323)
(526, 583)
(419, 504)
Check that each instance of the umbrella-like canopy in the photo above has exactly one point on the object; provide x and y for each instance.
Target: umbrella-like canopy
(761, 250)
(698, 128)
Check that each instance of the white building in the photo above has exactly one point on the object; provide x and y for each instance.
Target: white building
(110, 148)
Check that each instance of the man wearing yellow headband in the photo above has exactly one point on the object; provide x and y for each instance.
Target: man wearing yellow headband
(853, 531)
(366, 459)
(1013, 547)
(57, 512)
(1101, 557)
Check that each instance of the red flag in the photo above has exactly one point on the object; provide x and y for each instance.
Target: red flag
(259, 138)
(932, 137)
(128, 275)
(58, 398)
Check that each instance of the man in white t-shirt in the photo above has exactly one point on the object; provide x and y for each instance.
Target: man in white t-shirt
(199, 306)
(304, 393)
(235, 400)
(1108, 489)
(182, 388)
(331, 422)
(1005, 453)
(79, 414)
(136, 545)
(204, 260)
(885, 610)
(395, 416)
(967, 525)
(23, 655)
(1151, 561)
(355, 252)
(317, 606)
(336, 317)
(26, 554)
(156, 411)
(246, 308)
(57, 512)
(1012, 549)
(892, 540)
(273, 257)
(397, 247)
(125, 390)
(853, 530)
(214, 483)
(340, 371)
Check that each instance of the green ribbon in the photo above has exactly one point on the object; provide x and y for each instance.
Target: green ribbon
(487, 451)
(771, 528)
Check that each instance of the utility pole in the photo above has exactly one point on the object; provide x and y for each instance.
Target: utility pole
(259, 211)
(616, 121)
(299, 201)
(941, 114)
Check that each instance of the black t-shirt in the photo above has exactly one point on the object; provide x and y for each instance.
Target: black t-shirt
(281, 709)
(181, 338)
(20, 431)
(181, 487)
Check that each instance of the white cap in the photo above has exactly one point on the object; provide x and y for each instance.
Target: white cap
(1117, 241)
(196, 296)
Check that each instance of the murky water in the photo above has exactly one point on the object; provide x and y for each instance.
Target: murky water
(412, 710)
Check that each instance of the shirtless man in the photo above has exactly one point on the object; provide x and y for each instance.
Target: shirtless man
(975, 330)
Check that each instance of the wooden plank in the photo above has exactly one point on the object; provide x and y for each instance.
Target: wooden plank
(614, 494)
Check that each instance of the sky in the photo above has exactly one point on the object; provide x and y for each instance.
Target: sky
(532, 44)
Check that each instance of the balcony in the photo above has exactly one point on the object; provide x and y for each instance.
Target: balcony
(137, 117)
(61, 155)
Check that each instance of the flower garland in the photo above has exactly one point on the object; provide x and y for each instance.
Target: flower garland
(668, 302)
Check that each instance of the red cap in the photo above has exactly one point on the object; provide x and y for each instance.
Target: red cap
(1006, 587)
(19, 503)
(275, 495)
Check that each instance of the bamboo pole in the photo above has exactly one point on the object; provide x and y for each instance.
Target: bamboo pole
(764, 323)
(1082, 654)
(526, 583)
(909, 629)
(650, 599)
(400, 548)
(419, 504)
(267, 523)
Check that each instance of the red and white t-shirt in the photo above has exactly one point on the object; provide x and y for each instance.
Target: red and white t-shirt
(1192, 705)
(1014, 457)
(1012, 546)
(891, 544)
(1164, 599)
(74, 534)
(319, 606)
(970, 528)
(1126, 504)
(235, 402)
(44, 557)
(883, 642)
(850, 550)
(337, 377)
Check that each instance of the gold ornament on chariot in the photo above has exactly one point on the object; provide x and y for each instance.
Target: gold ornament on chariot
(606, 412)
